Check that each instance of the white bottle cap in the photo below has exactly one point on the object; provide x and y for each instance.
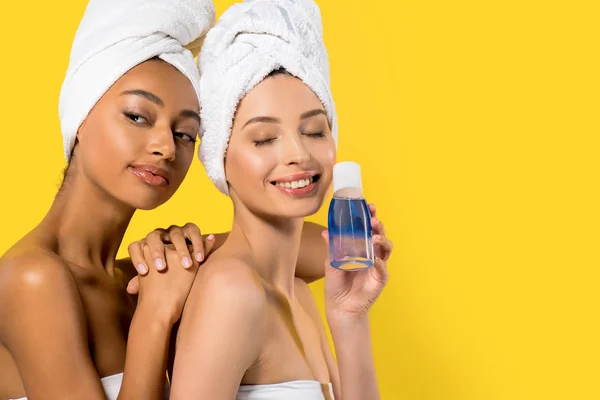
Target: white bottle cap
(346, 175)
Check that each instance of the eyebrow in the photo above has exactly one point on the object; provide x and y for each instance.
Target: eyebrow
(145, 94)
(255, 120)
(157, 100)
(273, 120)
(190, 114)
(312, 113)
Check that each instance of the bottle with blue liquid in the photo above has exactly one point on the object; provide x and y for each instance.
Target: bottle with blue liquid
(350, 231)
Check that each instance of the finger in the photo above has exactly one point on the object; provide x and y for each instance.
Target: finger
(178, 240)
(325, 235)
(148, 256)
(384, 245)
(192, 232)
(133, 287)
(377, 226)
(381, 272)
(157, 250)
(209, 243)
(137, 257)
(162, 233)
(372, 210)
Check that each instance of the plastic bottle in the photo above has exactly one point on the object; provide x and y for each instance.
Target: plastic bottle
(350, 230)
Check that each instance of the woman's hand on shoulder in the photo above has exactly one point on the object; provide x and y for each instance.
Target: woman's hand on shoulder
(151, 251)
(186, 240)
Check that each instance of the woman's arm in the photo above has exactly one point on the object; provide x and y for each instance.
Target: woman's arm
(144, 376)
(162, 296)
(352, 339)
(353, 375)
(221, 332)
(349, 297)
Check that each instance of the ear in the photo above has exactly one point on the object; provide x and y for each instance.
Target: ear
(80, 130)
(78, 136)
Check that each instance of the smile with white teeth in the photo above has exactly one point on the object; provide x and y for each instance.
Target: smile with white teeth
(295, 184)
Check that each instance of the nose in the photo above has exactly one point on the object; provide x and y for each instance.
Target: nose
(162, 143)
(295, 152)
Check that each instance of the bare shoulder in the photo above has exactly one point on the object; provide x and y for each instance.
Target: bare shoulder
(231, 281)
(32, 281)
(35, 269)
(227, 296)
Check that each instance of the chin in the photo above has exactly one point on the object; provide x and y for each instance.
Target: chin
(301, 209)
(142, 200)
(149, 204)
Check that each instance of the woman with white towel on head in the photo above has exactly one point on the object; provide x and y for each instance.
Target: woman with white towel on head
(129, 112)
(249, 328)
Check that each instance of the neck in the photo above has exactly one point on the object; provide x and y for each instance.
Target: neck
(274, 245)
(86, 225)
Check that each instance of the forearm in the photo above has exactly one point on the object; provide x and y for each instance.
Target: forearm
(147, 351)
(352, 340)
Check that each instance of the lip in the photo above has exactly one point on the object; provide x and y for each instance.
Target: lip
(151, 174)
(306, 190)
(296, 177)
(297, 192)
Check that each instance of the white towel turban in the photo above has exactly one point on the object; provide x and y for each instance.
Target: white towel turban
(251, 40)
(116, 35)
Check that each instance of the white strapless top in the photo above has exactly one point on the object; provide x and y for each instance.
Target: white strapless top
(112, 386)
(294, 390)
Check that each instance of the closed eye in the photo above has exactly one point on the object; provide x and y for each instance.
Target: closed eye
(259, 143)
(315, 134)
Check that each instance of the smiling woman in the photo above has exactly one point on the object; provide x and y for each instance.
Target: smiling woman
(269, 130)
(250, 329)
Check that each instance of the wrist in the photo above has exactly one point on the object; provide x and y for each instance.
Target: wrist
(160, 316)
(346, 321)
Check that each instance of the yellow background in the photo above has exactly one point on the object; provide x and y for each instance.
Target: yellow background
(477, 126)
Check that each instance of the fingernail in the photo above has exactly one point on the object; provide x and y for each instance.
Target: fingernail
(142, 268)
(159, 264)
(199, 257)
(210, 237)
(186, 262)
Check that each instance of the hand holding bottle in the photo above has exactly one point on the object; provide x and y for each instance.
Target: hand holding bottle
(359, 248)
(354, 292)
